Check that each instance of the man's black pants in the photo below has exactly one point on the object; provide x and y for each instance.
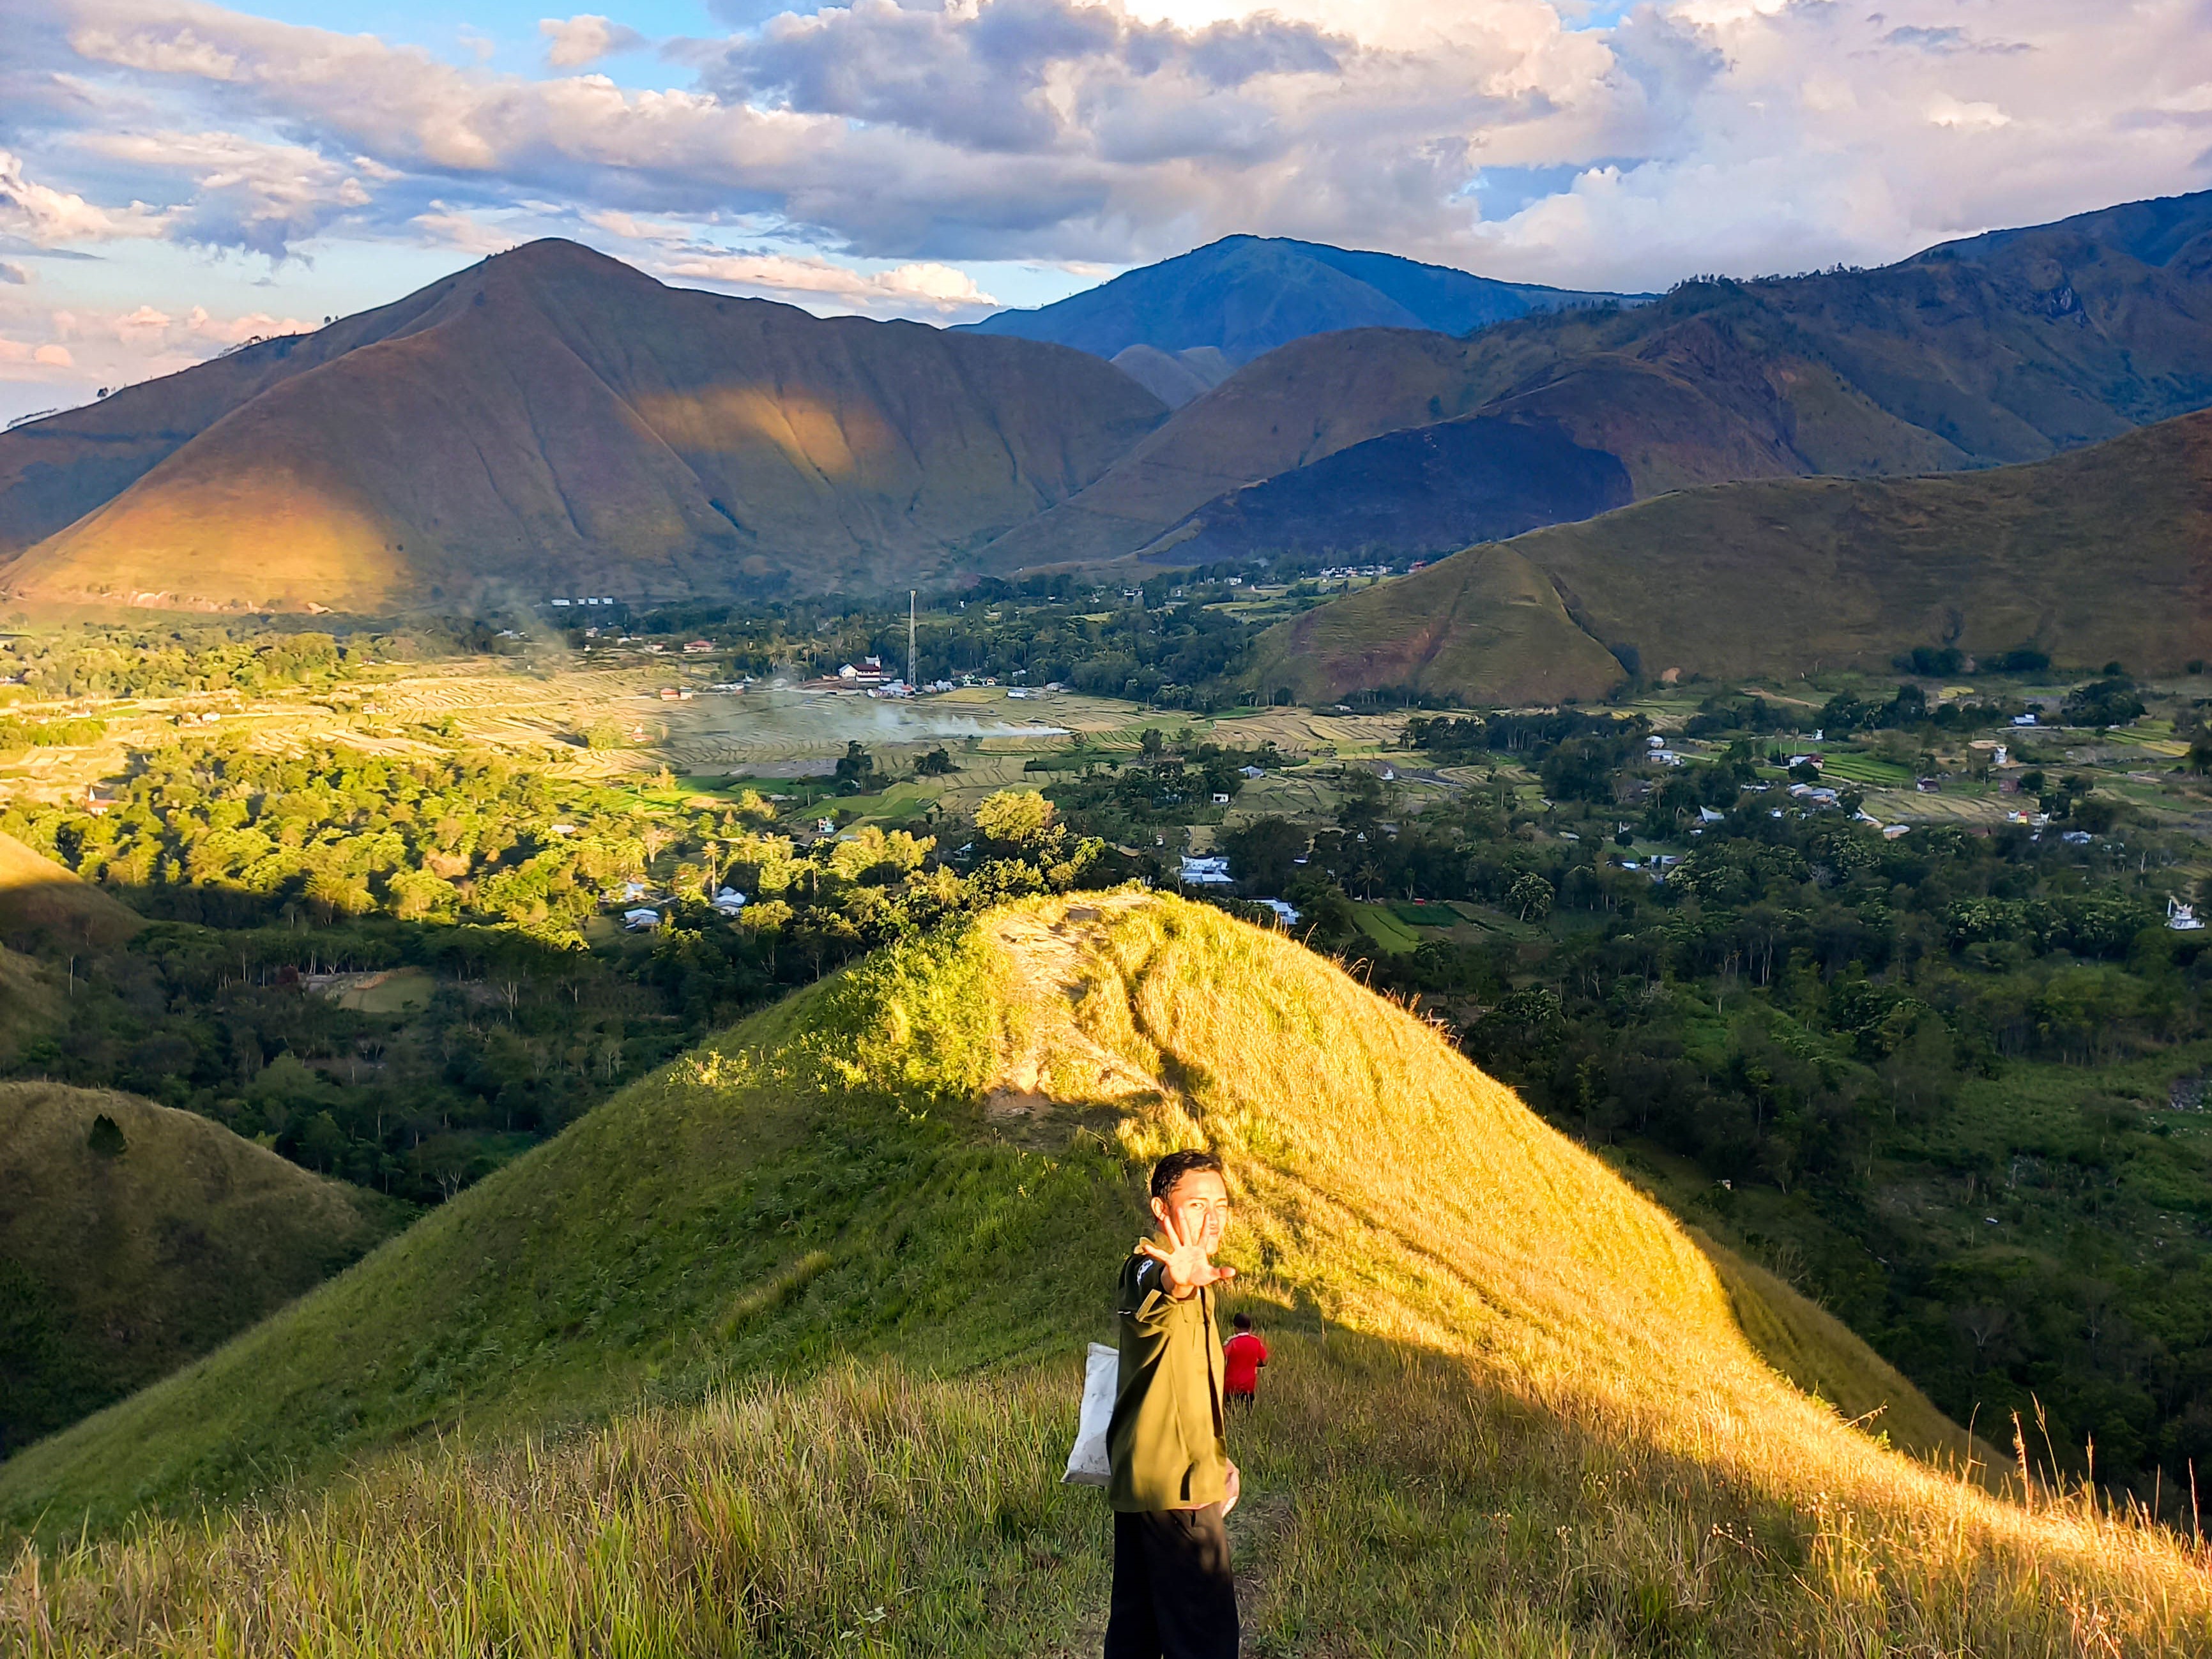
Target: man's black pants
(1174, 1596)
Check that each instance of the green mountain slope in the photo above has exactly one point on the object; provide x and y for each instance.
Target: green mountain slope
(553, 422)
(2102, 554)
(2007, 347)
(1494, 631)
(118, 1265)
(1513, 1406)
(1245, 295)
(832, 1177)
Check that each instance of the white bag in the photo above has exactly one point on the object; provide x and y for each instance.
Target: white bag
(1101, 1379)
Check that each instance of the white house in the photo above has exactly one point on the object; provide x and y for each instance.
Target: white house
(1287, 913)
(2182, 918)
(1206, 872)
(640, 920)
(729, 901)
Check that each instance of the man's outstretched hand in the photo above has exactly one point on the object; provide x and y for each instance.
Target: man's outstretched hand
(1185, 1265)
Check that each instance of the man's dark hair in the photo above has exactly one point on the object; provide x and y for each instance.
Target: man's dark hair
(1242, 1322)
(1176, 1164)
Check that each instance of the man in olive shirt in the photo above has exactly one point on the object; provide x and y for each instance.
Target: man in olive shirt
(1172, 1479)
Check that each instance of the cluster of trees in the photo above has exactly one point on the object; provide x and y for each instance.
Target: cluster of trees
(479, 882)
(1163, 645)
(217, 830)
(1832, 1028)
(1947, 660)
(50, 734)
(1176, 779)
(185, 659)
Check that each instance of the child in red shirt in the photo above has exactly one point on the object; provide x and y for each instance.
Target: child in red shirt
(1242, 1356)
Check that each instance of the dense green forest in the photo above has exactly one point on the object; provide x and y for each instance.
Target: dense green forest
(268, 874)
(1163, 642)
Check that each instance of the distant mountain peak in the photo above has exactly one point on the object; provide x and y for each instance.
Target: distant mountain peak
(1245, 295)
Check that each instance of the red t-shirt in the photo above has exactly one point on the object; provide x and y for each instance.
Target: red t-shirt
(1242, 1356)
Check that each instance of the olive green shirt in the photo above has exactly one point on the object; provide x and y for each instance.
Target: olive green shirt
(1163, 1443)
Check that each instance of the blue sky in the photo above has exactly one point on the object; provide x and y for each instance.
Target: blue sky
(176, 175)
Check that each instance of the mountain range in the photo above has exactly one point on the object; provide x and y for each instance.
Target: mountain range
(2100, 554)
(551, 421)
(2004, 348)
(1245, 295)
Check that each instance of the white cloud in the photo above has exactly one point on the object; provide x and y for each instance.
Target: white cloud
(1694, 134)
(1971, 117)
(62, 355)
(585, 39)
(49, 217)
(143, 324)
(16, 352)
(244, 193)
(449, 228)
(925, 287)
(237, 331)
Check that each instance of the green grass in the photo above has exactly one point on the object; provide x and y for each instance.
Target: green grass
(1864, 769)
(806, 1311)
(398, 991)
(580, 1277)
(116, 1269)
(1424, 913)
(1380, 922)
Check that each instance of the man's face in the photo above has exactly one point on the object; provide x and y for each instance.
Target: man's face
(1200, 1205)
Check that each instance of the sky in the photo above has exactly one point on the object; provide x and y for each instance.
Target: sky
(178, 177)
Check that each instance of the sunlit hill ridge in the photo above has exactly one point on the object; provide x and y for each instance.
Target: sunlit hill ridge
(813, 1295)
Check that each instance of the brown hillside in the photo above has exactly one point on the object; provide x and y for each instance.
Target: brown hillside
(558, 423)
(2105, 553)
(2008, 347)
(52, 472)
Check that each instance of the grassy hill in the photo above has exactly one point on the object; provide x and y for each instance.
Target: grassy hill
(2004, 349)
(119, 1265)
(1494, 631)
(2098, 555)
(1514, 1407)
(44, 903)
(552, 422)
(1245, 295)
